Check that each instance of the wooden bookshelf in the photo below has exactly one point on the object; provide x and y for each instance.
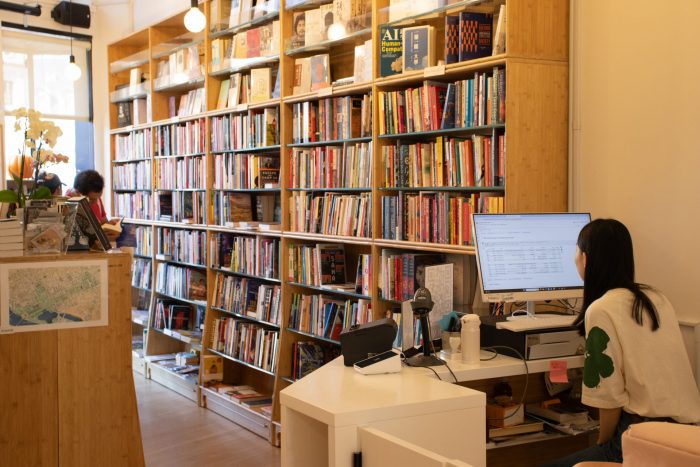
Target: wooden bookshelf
(534, 132)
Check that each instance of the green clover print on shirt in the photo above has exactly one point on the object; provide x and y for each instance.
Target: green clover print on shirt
(597, 364)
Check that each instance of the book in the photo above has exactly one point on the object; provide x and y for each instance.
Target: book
(353, 15)
(197, 286)
(331, 264)
(235, 13)
(299, 29)
(475, 35)
(362, 70)
(499, 38)
(418, 47)
(390, 50)
(260, 84)
(451, 39)
(234, 91)
(124, 114)
(530, 425)
(448, 112)
(212, 368)
(559, 413)
(87, 225)
(243, 392)
(315, 32)
(302, 75)
(140, 113)
(253, 43)
(223, 94)
(114, 228)
(320, 72)
(269, 39)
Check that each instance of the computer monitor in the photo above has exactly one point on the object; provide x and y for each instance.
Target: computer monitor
(528, 257)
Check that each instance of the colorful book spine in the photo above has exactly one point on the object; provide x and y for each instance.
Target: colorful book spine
(332, 119)
(185, 246)
(134, 176)
(451, 39)
(331, 214)
(181, 139)
(347, 166)
(247, 342)
(251, 130)
(133, 205)
(134, 145)
(187, 172)
(475, 35)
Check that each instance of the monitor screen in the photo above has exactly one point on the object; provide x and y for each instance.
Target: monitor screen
(527, 257)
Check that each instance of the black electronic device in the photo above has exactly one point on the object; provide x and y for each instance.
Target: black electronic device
(72, 14)
(365, 340)
(421, 305)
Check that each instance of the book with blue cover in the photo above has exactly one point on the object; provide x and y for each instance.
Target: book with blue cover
(418, 48)
(451, 39)
(390, 51)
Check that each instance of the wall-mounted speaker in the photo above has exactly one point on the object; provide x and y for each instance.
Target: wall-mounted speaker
(72, 14)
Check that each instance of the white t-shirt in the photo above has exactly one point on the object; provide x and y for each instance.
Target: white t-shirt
(630, 366)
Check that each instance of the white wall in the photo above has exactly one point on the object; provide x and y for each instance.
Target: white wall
(636, 151)
(148, 12)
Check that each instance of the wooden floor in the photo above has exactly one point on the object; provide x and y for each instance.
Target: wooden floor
(177, 433)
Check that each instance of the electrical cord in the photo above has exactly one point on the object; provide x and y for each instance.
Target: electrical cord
(493, 348)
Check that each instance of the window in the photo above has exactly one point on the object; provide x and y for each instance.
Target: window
(34, 77)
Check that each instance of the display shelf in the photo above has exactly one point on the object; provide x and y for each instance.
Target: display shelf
(134, 60)
(334, 189)
(243, 26)
(485, 129)
(130, 93)
(183, 41)
(252, 319)
(235, 230)
(248, 190)
(272, 148)
(130, 190)
(236, 412)
(135, 221)
(138, 255)
(332, 142)
(178, 225)
(296, 5)
(178, 119)
(180, 384)
(242, 274)
(459, 189)
(179, 263)
(445, 8)
(167, 190)
(174, 334)
(177, 156)
(329, 290)
(127, 161)
(130, 128)
(326, 45)
(313, 336)
(424, 246)
(334, 90)
(242, 108)
(178, 84)
(181, 299)
(243, 64)
(327, 238)
(249, 365)
(441, 73)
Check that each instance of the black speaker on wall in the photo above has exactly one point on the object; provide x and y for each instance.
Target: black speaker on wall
(72, 14)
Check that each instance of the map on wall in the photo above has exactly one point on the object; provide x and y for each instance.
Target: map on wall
(53, 295)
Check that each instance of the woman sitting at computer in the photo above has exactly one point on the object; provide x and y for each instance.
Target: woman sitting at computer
(636, 367)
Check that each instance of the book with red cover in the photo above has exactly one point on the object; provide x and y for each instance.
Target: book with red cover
(253, 43)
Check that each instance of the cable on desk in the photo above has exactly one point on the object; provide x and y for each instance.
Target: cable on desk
(521, 405)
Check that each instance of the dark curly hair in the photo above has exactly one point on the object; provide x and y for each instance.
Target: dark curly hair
(89, 181)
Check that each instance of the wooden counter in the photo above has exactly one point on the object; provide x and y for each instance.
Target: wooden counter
(67, 396)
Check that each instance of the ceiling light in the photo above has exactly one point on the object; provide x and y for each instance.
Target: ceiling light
(194, 19)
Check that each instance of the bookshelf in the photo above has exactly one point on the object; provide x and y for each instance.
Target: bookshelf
(242, 169)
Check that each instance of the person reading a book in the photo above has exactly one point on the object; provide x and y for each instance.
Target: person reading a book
(89, 183)
(634, 348)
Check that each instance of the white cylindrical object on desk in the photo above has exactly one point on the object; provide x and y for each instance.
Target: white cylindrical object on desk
(470, 339)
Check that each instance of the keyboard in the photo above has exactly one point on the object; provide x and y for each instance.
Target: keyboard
(540, 321)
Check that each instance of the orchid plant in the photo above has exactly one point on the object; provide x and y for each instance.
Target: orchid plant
(40, 136)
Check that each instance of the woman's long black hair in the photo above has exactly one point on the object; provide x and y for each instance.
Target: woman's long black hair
(610, 265)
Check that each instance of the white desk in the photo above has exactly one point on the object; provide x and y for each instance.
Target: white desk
(321, 412)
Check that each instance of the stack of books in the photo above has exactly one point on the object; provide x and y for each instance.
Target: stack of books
(11, 238)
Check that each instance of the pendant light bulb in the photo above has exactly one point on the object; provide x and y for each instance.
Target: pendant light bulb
(194, 19)
(73, 71)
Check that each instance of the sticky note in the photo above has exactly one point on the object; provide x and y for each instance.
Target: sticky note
(557, 371)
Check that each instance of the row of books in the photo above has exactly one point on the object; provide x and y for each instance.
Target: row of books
(249, 88)
(326, 316)
(185, 246)
(332, 118)
(401, 274)
(134, 205)
(255, 256)
(191, 103)
(248, 297)
(438, 106)
(182, 173)
(181, 139)
(347, 166)
(181, 282)
(143, 237)
(179, 67)
(434, 217)
(255, 129)
(324, 265)
(132, 176)
(141, 274)
(309, 356)
(246, 171)
(247, 342)
(262, 41)
(448, 162)
(230, 209)
(236, 12)
(171, 315)
(467, 36)
(311, 74)
(331, 21)
(242, 394)
(133, 145)
(331, 214)
(183, 206)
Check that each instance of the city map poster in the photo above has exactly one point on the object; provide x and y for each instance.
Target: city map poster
(47, 296)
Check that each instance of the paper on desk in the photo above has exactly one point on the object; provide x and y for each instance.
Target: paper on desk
(557, 371)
